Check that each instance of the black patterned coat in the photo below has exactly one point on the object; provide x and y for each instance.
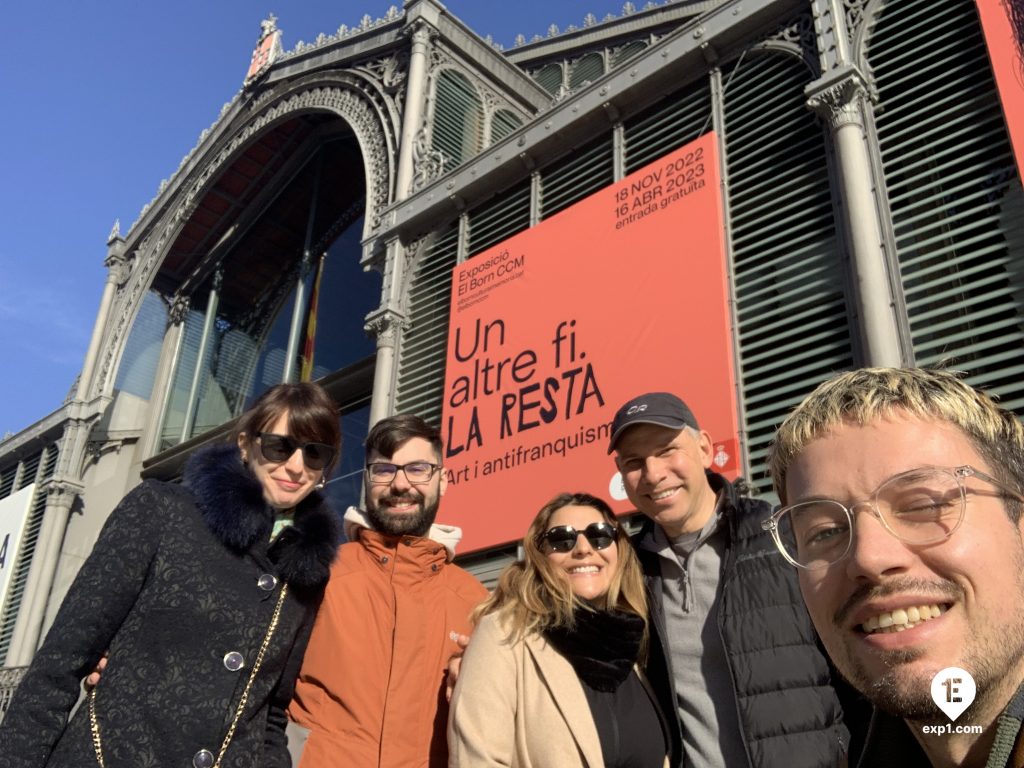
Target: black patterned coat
(171, 588)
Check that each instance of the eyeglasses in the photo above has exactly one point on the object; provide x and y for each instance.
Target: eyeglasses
(281, 448)
(921, 506)
(416, 472)
(563, 538)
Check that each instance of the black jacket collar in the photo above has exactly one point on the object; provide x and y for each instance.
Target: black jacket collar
(230, 501)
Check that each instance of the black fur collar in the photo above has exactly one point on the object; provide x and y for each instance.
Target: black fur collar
(230, 500)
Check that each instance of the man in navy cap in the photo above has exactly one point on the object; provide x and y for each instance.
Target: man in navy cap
(733, 652)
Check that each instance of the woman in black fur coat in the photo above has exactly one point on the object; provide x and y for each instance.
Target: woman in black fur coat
(182, 587)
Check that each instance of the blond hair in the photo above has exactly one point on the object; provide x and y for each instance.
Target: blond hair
(862, 396)
(532, 595)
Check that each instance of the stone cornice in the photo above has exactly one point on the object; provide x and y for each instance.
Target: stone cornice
(29, 440)
(610, 30)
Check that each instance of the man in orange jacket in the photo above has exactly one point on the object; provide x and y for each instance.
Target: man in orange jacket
(371, 690)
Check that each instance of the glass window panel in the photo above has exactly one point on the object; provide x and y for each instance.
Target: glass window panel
(174, 419)
(345, 487)
(347, 295)
(142, 350)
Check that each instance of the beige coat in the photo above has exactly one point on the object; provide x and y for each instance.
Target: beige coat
(519, 704)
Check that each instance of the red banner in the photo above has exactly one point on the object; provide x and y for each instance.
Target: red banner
(1003, 23)
(552, 330)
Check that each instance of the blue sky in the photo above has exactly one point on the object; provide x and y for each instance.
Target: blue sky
(102, 99)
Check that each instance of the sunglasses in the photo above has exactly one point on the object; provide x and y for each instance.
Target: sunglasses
(562, 538)
(281, 448)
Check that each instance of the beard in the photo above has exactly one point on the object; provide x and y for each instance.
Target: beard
(900, 694)
(993, 655)
(406, 524)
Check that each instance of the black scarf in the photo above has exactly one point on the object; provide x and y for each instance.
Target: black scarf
(602, 646)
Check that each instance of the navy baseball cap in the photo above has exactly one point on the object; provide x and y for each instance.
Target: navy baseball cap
(661, 408)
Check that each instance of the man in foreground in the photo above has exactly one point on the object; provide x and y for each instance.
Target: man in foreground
(733, 653)
(901, 507)
(371, 689)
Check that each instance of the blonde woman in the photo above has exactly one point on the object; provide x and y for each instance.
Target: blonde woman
(552, 675)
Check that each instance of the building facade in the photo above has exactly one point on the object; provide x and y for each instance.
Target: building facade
(874, 215)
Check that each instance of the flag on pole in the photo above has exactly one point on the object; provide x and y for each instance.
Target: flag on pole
(309, 344)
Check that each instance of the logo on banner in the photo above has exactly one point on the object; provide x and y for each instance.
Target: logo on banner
(617, 488)
(721, 456)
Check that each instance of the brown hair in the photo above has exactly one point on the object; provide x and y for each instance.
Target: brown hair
(312, 415)
(388, 434)
(534, 596)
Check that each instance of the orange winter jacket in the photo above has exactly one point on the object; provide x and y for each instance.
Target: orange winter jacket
(371, 689)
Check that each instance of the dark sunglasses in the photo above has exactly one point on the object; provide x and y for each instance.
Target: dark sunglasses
(562, 538)
(281, 447)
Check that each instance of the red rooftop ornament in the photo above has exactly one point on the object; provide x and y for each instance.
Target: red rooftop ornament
(267, 49)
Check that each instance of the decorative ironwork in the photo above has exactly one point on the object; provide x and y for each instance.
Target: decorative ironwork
(359, 108)
(344, 32)
(855, 15)
(798, 38)
(840, 102)
(428, 163)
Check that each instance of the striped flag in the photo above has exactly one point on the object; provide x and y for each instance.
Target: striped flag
(309, 345)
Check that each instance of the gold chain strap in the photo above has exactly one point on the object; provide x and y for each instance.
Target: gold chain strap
(95, 726)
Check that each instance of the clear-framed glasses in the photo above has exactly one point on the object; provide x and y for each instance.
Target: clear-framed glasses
(416, 472)
(920, 506)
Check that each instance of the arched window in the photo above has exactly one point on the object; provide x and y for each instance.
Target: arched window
(626, 52)
(142, 350)
(458, 119)
(503, 123)
(586, 70)
(246, 271)
(549, 78)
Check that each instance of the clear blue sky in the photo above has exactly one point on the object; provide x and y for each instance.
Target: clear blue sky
(102, 99)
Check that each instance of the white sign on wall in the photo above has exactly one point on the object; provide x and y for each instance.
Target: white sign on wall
(14, 511)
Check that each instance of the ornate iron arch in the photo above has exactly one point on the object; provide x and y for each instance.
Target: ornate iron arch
(354, 99)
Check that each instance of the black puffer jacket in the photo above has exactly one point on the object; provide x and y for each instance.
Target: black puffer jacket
(172, 587)
(789, 713)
